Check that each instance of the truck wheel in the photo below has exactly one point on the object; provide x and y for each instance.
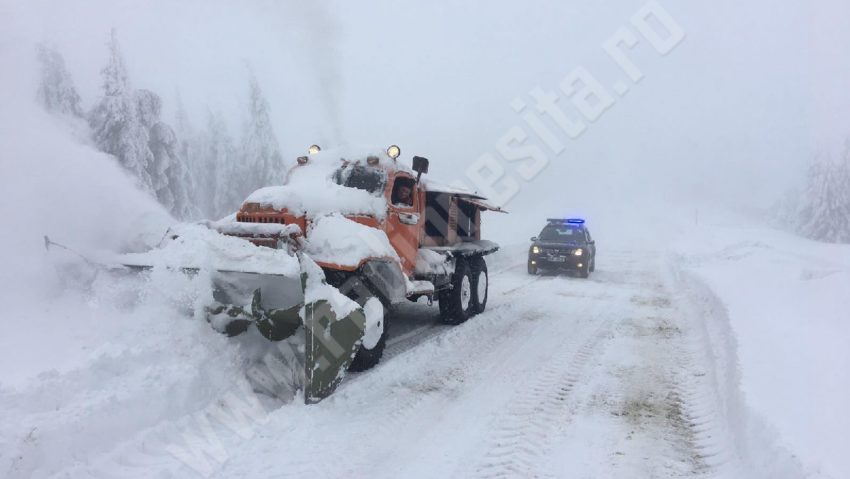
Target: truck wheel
(456, 304)
(593, 264)
(480, 284)
(532, 268)
(584, 271)
(375, 337)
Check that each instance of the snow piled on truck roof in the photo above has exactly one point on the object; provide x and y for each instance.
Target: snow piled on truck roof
(356, 153)
(452, 188)
(311, 189)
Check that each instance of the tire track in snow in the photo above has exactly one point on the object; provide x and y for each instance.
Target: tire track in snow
(519, 439)
(708, 383)
(430, 388)
(423, 334)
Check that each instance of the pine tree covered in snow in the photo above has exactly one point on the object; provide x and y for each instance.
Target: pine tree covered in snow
(126, 124)
(172, 181)
(115, 124)
(824, 211)
(188, 141)
(222, 168)
(262, 162)
(56, 92)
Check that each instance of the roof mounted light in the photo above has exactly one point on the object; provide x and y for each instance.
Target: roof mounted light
(302, 160)
(372, 160)
(572, 221)
(314, 149)
(394, 151)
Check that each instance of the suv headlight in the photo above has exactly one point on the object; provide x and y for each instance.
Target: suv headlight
(535, 250)
(578, 252)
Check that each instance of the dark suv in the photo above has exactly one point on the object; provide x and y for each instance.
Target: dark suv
(564, 244)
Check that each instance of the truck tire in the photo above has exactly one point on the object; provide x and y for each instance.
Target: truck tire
(593, 264)
(456, 304)
(584, 271)
(532, 268)
(480, 284)
(369, 355)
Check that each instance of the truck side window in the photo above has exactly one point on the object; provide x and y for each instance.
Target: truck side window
(403, 192)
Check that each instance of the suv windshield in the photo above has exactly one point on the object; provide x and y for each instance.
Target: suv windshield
(361, 177)
(562, 234)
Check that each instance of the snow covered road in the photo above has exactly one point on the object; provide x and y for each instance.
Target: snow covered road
(626, 374)
(560, 377)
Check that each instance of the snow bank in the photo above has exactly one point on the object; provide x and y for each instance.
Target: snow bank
(339, 240)
(53, 185)
(91, 361)
(786, 301)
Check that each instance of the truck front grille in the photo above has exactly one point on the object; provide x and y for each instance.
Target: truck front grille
(248, 218)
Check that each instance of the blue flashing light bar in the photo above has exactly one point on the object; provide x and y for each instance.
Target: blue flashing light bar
(572, 221)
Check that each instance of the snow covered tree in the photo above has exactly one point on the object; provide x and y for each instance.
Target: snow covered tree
(215, 167)
(188, 141)
(824, 212)
(126, 124)
(172, 182)
(56, 92)
(114, 121)
(262, 162)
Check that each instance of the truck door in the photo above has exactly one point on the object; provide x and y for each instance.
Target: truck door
(404, 220)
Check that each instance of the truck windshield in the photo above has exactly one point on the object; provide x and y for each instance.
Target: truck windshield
(361, 177)
(561, 233)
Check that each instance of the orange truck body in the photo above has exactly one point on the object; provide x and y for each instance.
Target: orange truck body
(404, 225)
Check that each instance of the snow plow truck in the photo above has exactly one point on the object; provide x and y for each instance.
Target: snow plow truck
(319, 259)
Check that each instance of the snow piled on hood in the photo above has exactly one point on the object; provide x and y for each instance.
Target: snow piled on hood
(339, 240)
(310, 189)
(196, 246)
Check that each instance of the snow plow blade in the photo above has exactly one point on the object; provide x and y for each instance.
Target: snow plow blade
(282, 293)
(275, 305)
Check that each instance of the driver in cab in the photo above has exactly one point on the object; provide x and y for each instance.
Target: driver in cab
(403, 196)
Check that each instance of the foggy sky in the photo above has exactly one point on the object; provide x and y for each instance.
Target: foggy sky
(729, 117)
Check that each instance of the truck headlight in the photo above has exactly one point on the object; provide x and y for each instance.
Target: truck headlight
(535, 250)
(578, 252)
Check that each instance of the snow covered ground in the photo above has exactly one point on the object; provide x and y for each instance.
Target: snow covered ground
(633, 373)
(784, 306)
(720, 355)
